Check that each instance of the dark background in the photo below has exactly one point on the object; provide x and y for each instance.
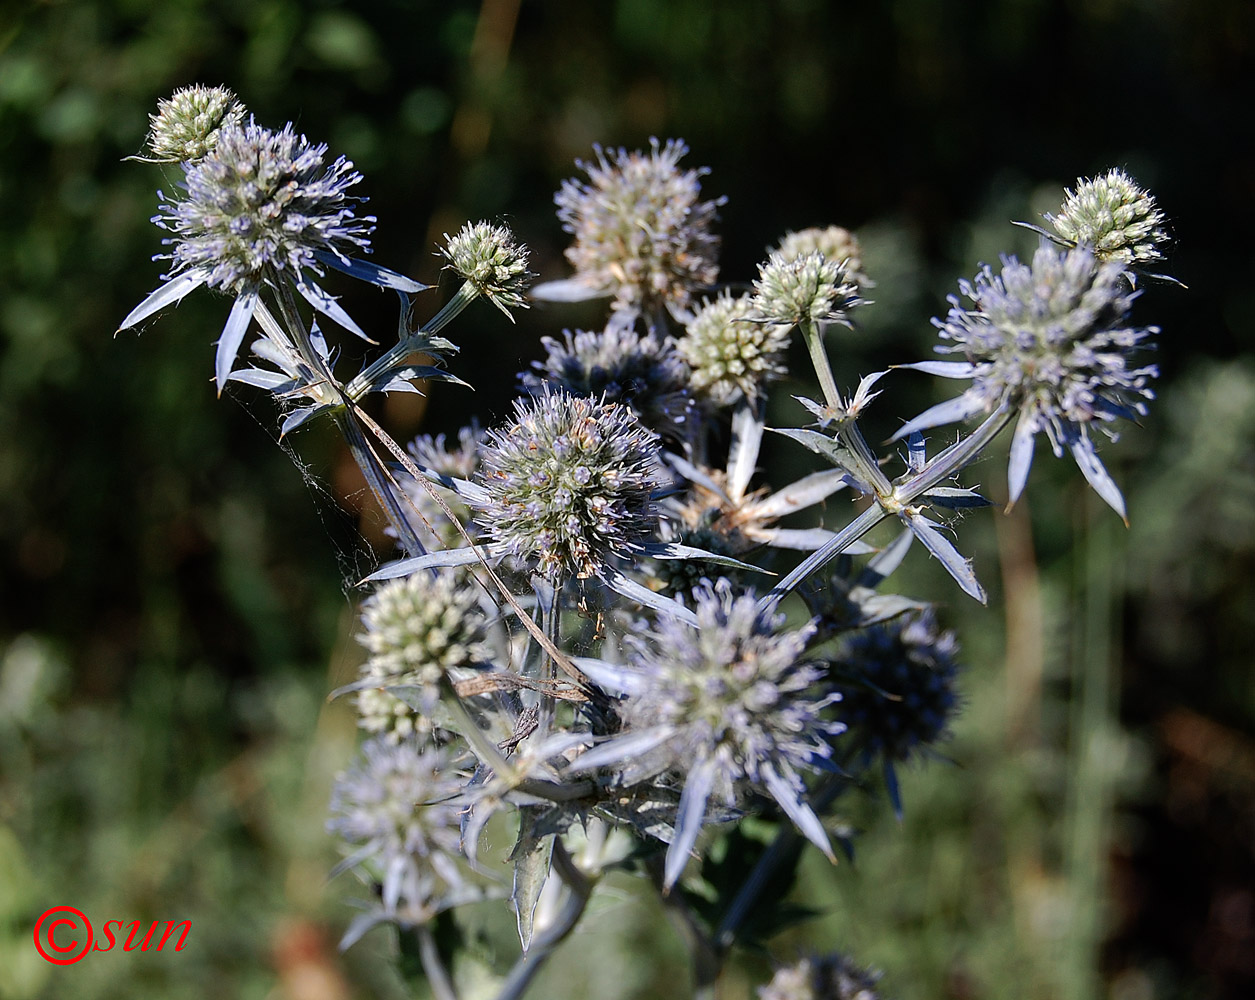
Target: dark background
(174, 593)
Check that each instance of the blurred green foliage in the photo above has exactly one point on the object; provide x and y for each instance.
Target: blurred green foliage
(174, 591)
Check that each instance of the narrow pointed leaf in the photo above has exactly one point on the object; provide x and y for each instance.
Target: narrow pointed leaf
(803, 816)
(566, 290)
(688, 820)
(533, 857)
(952, 410)
(677, 550)
(949, 557)
(1097, 476)
(632, 747)
(695, 475)
(1021, 458)
(946, 369)
(814, 562)
(372, 273)
(747, 439)
(886, 561)
(615, 678)
(296, 418)
(629, 588)
(805, 540)
(233, 335)
(329, 307)
(276, 382)
(444, 558)
(955, 498)
(359, 925)
(863, 394)
(805, 492)
(916, 457)
(170, 292)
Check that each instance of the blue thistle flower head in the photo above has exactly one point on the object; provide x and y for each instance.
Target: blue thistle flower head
(261, 203)
(898, 691)
(1053, 341)
(399, 810)
(647, 374)
(733, 704)
(641, 232)
(570, 484)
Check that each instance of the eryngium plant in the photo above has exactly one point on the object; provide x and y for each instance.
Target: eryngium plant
(588, 651)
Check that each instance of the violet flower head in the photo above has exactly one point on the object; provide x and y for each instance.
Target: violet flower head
(398, 809)
(263, 207)
(733, 704)
(898, 694)
(642, 234)
(1052, 341)
(263, 202)
(570, 484)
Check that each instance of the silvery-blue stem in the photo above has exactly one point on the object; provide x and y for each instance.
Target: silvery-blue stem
(398, 353)
(947, 464)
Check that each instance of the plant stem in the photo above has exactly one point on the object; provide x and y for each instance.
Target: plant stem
(399, 352)
(812, 333)
(381, 482)
(947, 464)
(437, 976)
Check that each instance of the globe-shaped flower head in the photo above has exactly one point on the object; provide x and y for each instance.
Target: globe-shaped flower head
(1114, 216)
(1050, 340)
(398, 809)
(186, 125)
(732, 356)
(641, 234)
(492, 262)
(417, 629)
(569, 484)
(618, 364)
(836, 243)
(806, 289)
(259, 208)
(733, 703)
(898, 685)
(260, 203)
